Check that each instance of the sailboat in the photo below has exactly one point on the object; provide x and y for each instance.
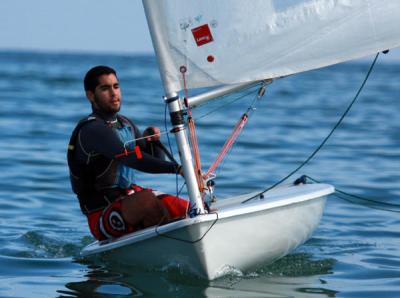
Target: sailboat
(222, 47)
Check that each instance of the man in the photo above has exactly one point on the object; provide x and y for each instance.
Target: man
(104, 151)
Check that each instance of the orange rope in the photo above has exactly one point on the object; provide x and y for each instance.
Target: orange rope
(228, 144)
(196, 153)
(136, 151)
(193, 137)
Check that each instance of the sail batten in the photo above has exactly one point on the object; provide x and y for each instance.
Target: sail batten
(237, 41)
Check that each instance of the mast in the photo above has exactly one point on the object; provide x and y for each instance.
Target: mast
(175, 108)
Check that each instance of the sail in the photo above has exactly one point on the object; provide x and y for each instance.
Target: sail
(235, 41)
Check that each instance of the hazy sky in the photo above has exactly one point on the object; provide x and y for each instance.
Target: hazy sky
(89, 25)
(79, 25)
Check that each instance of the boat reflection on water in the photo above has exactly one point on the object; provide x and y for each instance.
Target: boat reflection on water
(296, 275)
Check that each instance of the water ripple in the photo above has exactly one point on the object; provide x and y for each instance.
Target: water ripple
(353, 253)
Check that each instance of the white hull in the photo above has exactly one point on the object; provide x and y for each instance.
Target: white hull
(239, 235)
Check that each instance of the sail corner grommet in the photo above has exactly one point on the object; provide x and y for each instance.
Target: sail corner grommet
(183, 69)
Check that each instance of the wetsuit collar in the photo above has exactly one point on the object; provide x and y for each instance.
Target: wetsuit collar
(108, 117)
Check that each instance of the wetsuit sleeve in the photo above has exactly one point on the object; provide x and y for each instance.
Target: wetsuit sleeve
(151, 148)
(140, 142)
(97, 138)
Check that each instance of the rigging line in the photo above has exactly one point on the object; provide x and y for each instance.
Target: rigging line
(360, 198)
(366, 199)
(235, 133)
(326, 138)
(227, 146)
(166, 151)
(193, 136)
(180, 190)
(189, 241)
(229, 103)
(142, 138)
(364, 205)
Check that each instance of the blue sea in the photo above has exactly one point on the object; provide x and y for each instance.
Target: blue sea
(354, 252)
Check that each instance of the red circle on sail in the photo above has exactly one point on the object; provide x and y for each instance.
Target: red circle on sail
(210, 58)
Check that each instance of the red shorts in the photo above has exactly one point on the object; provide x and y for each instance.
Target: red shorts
(109, 223)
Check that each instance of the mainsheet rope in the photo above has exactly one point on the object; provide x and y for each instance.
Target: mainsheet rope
(326, 138)
(369, 203)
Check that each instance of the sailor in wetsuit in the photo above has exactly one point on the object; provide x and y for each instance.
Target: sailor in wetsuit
(103, 155)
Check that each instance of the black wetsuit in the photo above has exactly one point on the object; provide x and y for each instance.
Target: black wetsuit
(99, 160)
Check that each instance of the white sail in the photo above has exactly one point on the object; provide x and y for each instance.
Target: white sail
(235, 41)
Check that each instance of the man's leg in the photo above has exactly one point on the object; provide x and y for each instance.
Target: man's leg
(144, 209)
(176, 206)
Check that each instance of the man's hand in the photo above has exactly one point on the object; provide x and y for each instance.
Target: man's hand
(152, 134)
(180, 171)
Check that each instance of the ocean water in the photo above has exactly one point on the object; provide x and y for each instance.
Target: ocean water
(354, 252)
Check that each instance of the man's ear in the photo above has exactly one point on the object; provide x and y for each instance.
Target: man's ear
(90, 96)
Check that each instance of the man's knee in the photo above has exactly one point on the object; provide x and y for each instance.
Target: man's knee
(142, 208)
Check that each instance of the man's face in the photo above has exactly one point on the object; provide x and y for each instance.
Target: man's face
(107, 95)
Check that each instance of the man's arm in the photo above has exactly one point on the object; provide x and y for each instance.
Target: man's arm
(98, 137)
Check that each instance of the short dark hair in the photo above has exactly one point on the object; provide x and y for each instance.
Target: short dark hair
(91, 79)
